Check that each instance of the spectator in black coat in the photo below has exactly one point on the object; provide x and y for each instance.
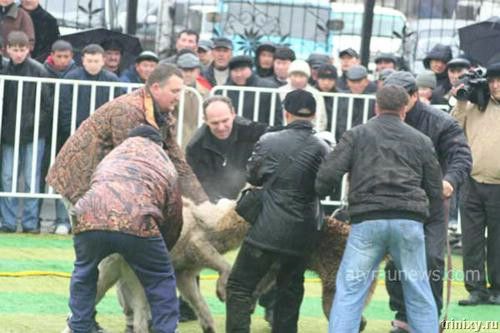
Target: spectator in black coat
(264, 57)
(20, 120)
(287, 227)
(240, 72)
(455, 158)
(46, 28)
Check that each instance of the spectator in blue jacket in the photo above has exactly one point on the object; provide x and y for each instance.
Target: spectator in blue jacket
(92, 70)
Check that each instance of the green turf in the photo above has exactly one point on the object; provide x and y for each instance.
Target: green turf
(38, 304)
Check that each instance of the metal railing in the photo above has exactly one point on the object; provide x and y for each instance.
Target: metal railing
(56, 100)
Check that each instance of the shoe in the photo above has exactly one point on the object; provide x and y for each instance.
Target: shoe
(399, 326)
(98, 328)
(494, 299)
(6, 229)
(474, 299)
(62, 229)
(363, 323)
(31, 231)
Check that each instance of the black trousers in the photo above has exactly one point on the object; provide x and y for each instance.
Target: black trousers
(250, 267)
(435, 231)
(480, 211)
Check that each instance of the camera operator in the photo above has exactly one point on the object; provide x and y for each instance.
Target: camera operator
(480, 199)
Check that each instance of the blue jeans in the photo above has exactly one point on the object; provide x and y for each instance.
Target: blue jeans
(367, 245)
(62, 217)
(9, 206)
(148, 257)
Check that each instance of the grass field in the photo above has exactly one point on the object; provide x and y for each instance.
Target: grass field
(38, 304)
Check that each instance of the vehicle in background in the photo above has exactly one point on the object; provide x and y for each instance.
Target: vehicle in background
(474, 10)
(386, 21)
(429, 32)
(302, 25)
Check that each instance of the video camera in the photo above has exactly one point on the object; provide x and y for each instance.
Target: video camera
(475, 88)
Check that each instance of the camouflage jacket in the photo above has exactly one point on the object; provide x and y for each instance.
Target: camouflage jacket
(134, 190)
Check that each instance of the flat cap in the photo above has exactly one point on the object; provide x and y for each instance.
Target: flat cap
(147, 55)
(223, 42)
(383, 74)
(315, 60)
(350, 52)
(426, 79)
(284, 53)
(300, 103)
(458, 63)
(240, 61)
(493, 70)
(206, 44)
(327, 71)
(188, 61)
(356, 73)
(385, 56)
(403, 79)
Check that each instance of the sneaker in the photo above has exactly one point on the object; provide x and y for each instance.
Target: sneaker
(474, 299)
(62, 229)
(6, 229)
(399, 326)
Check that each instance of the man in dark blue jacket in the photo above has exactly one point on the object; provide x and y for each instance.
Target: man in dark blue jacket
(455, 158)
(288, 224)
(92, 70)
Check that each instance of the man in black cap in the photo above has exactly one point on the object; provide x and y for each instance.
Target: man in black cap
(315, 60)
(455, 159)
(264, 57)
(348, 58)
(385, 60)
(456, 68)
(285, 162)
(218, 72)
(204, 51)
(480, 197)
(113, 51)
(283, 57)
(240, 72)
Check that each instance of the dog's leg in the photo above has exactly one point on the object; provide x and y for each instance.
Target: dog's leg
(109, 273)
(211, 258)
(186, 283)
(133, 301)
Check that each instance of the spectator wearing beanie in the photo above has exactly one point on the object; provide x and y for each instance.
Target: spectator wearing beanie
(264, 58)
(283, 57)
(385, 60)
(436, 60)
(299, 73)
(241, 74)
(426, 83)
(326, 83)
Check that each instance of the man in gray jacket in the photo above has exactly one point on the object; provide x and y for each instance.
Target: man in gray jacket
(393, 173)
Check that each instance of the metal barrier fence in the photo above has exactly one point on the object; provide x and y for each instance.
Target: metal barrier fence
(51, 102)
(347, 110)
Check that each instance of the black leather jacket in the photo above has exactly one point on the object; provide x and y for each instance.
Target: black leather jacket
(291, 213)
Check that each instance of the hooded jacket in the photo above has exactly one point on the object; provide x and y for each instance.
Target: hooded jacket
(263, 72)
(443, 85)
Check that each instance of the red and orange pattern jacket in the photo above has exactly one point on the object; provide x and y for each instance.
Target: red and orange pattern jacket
(134, 190)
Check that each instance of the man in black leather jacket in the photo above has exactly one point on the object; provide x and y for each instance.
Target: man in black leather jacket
(288, 224)
(455, 158)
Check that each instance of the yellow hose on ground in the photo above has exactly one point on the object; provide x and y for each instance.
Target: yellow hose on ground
(209, 277)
